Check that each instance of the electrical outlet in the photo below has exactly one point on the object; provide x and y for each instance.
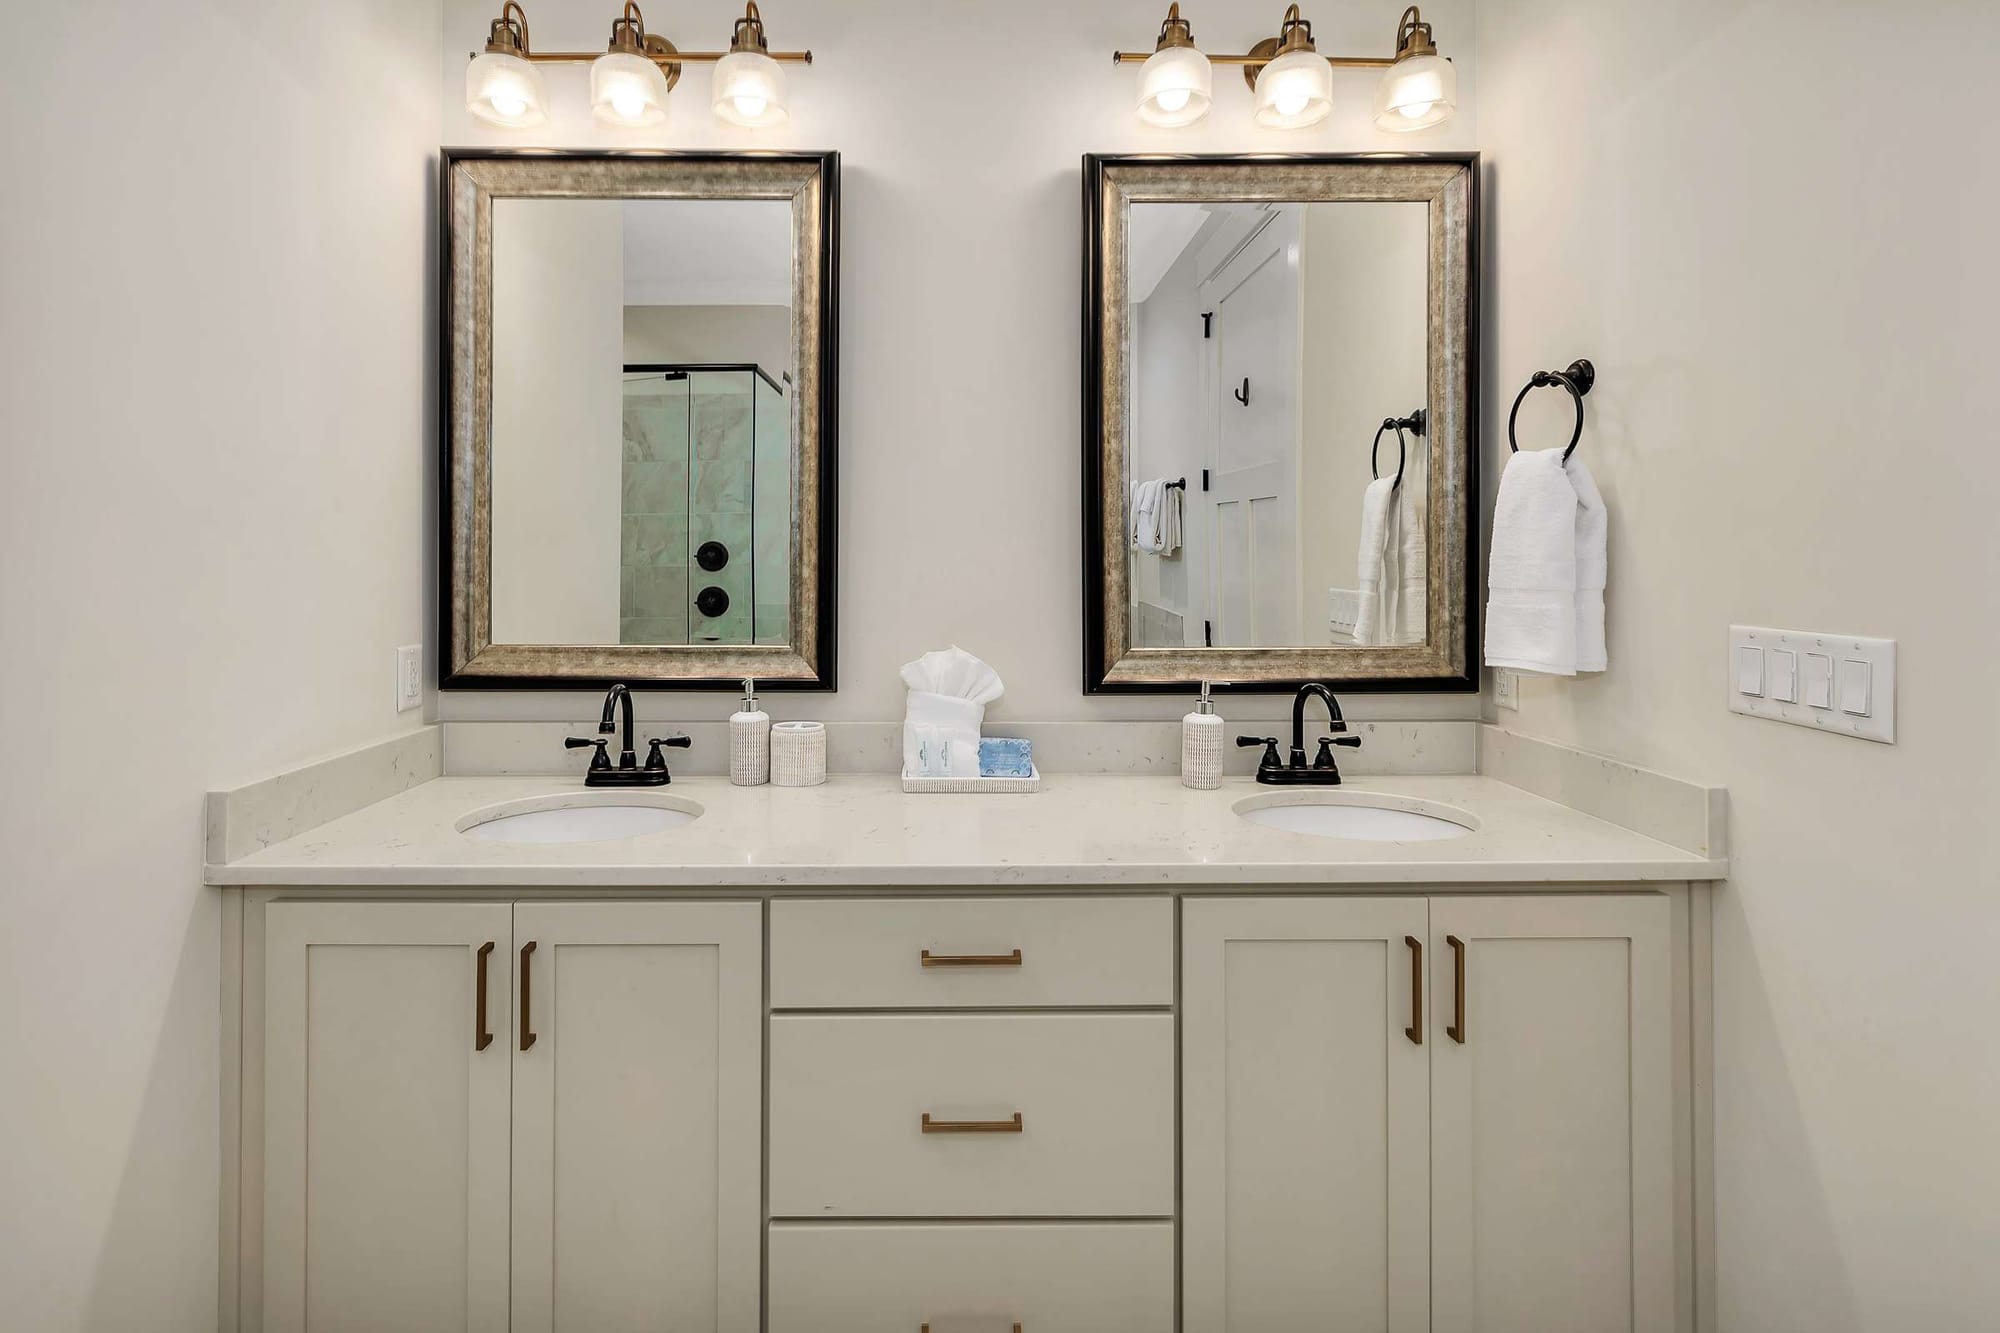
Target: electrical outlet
(409, 677)
(1506, 688)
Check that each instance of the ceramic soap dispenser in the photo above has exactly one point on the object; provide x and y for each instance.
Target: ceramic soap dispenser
(1201, 743)
(750, 741)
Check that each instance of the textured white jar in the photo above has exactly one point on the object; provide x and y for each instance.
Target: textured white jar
(798, 754)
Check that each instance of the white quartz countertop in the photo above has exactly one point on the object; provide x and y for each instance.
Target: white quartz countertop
(863, 830)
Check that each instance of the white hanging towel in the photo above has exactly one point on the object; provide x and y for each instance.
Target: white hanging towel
(1171, 500)
(1593, 531)
(1375, 564)
(1146, 500)
(1531, 603)
(1412, 564)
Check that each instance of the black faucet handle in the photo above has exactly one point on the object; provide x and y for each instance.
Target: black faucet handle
(674, 743)
(599, 760)
(1270, 744)
(1326, 744)
(656, 761)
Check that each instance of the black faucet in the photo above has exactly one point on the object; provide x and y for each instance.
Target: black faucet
(627, 772)
(1323, 772)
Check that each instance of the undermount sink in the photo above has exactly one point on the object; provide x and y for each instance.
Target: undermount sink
(579, 817)
(1362, 816)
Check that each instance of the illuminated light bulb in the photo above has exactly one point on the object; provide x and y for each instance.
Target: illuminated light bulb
(509, 104)
(1291, 101)
(1416, 93)
(1415, 110)
(503, 89)
(1175, 85)
(627, 90)
(750, 108)
(1294, 90)
(749, 90)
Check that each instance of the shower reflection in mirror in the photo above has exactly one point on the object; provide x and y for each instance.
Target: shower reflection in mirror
(1270, 342)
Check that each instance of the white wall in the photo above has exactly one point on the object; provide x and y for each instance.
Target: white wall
(960, 292)
(1771, 227)
(558, 419)
(670, 335)
(215, 250)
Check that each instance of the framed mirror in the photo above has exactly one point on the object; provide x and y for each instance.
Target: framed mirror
(639, 422)
(1280, 416)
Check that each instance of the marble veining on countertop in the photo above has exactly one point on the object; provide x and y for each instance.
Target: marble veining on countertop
(864, 831)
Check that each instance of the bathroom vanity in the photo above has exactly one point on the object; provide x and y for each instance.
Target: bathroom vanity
(1113, 1057)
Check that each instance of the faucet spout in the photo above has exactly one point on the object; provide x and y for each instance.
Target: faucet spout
(618, 696)
(1312, 689)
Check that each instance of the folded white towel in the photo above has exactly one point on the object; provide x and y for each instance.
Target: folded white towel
(1592, 536)
(1532, 581)
(1343, 610)
(1375, 564)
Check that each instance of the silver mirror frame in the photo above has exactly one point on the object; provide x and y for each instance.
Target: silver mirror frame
(472, 179)
(1448, 183)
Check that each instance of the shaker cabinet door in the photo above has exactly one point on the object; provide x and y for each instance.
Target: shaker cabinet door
(638, 1053)
(1304, 1115)
(385, 1117)
(1552, 1112)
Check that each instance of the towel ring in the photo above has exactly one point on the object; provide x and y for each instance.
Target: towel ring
(1416, 423)
(1402, 449)
(1578, 379)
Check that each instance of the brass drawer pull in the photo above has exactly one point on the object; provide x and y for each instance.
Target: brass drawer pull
(1017, 1327)
(482, 1036)
(972, 1126)
(527, 1028)
(1415, 1031)
(1456, 1028)
(972, 959)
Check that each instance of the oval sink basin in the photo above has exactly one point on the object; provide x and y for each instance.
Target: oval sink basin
(1361, 816)
(593, 817)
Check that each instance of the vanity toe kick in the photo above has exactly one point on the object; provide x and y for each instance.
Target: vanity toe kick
(972, 1115)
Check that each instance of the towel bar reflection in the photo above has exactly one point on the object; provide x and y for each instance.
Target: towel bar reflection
(1578, 379)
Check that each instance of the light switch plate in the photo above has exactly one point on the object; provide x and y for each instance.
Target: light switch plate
(1859, 699)
(1506, 688)
(409, 677)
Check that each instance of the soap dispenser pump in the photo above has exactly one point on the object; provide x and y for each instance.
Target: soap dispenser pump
(1201, 743)
(750, 741)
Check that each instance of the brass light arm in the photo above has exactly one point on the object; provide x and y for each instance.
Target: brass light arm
(663, 59)
(1413, 37)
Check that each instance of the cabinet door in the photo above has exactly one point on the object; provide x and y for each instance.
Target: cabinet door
(1304, 1115)
(1552, 1114)
(638, 1057)
(385, 1117)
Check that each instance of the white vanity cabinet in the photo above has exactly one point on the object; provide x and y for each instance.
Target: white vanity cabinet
(497, 1116)
(1445, 1114)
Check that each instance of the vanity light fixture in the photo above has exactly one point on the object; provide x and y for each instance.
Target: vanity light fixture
(749, 86)
(1292, 82)
(501, 87)
(1177, 83)
(626, 88)
(630, 79)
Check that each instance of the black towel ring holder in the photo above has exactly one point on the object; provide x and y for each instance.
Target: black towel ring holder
(1415, 423)
(1578, 379)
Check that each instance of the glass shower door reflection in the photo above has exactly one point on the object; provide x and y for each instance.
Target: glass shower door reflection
(708, 506)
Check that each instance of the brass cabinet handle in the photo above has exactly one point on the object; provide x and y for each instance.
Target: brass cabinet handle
(1415, 1031)
(972, 1126)
(971, 959)
(927, 1328)
(527, 1032)
(481, 1038)
(1456, 1028)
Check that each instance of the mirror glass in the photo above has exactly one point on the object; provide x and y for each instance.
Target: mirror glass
(1269, 343)
(642, 421)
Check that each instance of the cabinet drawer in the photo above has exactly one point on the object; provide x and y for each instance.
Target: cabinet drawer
(869, 954)
(1095, 1093)
(972, 1278)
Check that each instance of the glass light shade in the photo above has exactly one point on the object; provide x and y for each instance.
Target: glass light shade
(1294, 91)
(1176, 85)
(750, 90)
(627, 90)
(504, 89)
(1416, 93)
